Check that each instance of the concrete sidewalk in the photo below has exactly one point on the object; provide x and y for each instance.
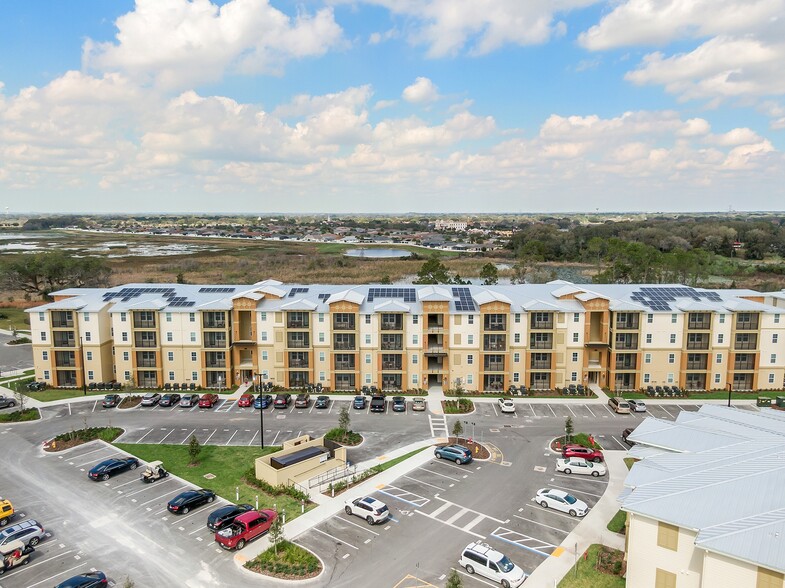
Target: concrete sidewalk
(592, 529)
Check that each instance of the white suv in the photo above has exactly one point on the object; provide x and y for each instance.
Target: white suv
(486, 561)
(506, 405)
(368, 508)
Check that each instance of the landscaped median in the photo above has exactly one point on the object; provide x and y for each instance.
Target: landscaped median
(20, 416)
(82, 436)
(598, 567)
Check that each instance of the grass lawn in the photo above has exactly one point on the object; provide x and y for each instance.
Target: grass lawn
(29, 414)
(715, 395)
(388, 464)
(588, 576)
(55, 394)
(228, 464)
(616, 524)
(25, 373)
(15, 317)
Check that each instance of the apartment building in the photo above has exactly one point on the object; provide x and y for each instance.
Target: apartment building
(541, 336)
(705, 507)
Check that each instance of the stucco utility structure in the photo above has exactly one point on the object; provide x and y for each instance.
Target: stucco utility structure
(300, 460)
(705, 505)
(489, 338)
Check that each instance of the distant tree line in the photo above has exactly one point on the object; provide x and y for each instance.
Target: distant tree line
(43, 273)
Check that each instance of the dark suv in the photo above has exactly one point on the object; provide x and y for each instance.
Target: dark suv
(378, 404)
(359, 402)
(282, 400)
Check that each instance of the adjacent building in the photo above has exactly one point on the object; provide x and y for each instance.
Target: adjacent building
(705, 507)
(541, 336)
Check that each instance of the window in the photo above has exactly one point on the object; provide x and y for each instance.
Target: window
(768, 579)
(673, 318)
(774, 338)
(574, 356)
(720, 338)
(668, 536)
(124, 337)
(415, 379)
(469, 339)
(518, 317)
(265, 375)
(367, 358)
(415, 319)
(126, 375)
(647, 358)
(771, 378)
(415, 359)
(517, 338)
(648, 338)
(673, 338)
(516, 357)
(264, 335)
(719, 358)
(168, 317)
(574, 376)
(192, 317)
(367, 319)
(45, 355)
(664, 579)
(646, 378)
(516, 377)
(88, 336)
(41, 316)
(43, 335)
(86, 317)
(194, 376)
(367, 339)
(575, 337)
(46, 374)
(171, 376)
(773, 358)
(193, 355)
(776, 318)
(125, 356)
(670, 378)
(89, 374)
(122, 317)
(471, 319)
(193, 337)
(469, 379)
(415, 339)
(263, 317)
(367, 378)
(170, 355)
(722, 319)
(169, 336)
(671, 358)
(576, 317)
(321, 337)
(649, 318)
(717, 378)
(470, 359)
(321, 317)
(321, 356)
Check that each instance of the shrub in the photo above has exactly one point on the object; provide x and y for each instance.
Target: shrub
(19, 416)
(108, 434)
(282, 489)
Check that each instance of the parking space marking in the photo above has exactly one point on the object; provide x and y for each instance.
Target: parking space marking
(523, 541)
(425, 483)
(493, 406)
(474, 577)
(417, 500)
(451, 524)
(253, 438)
(568, 408)
(149, 486)
(145, 435)
(134, 481)
(541, 524)
(187, 437)
(406, 582)
(590, 410)
(158, 497)
(232, 437)
(580, 478)
(365, 528)
(87, 462)
(570, 491)
(556, 512)
(165, 436)
(276, 437)
(340, 541)
(49, 578)
(551, 409)
(613, 414)
(666, 412)
(80, 455)
(444, 463)
(438, 474)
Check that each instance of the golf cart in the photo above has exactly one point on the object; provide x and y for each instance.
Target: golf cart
(14, 554)
(154, 471)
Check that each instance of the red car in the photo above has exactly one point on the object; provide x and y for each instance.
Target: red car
(245, 400)
(246, 527)
(207, 400)
(584, 452)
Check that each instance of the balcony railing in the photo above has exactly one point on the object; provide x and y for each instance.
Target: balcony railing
(435, 349)
(750, 325)
(148, 343)
(697, 365)
(748, 364)
(494, 366)
(541, 365)
(64, 342)
(214, 324)
(627, 325)
(144, 324)
(541, 345)
(146, 363)
(392, 365)
(215, 364)
(298, 344)
(542, 325)
(392, 326)
(296, 324)
(699, 325)
(625, 365)
(298, 363)
(391, 345)
(745, 345)
(63, 324)
(344, 365)
(65, 363)
(343, 326)
(495, 327)
(343, 345)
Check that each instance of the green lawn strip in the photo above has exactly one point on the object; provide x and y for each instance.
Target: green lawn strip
(23, 375)
(588, 576)
(51, 394)
(287, 559)
(629, 461)
(29, 414)
(388, 464)
(715, 395)
(228, 464)
(14, 318)
(616, 524)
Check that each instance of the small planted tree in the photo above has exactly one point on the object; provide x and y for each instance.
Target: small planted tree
(276, 533)
(454, 580)
(344, 421)
(129, 583)
(457, 428)
(194, 449)
(20, 397)
(569, 429)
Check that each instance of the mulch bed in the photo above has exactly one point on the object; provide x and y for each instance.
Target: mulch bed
(286, 576)
(130, 401)
(52, 446)
(611, 561)
(479, 451)
(451, 407)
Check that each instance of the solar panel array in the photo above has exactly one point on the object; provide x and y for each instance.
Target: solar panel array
(128, 294)
(408, 294)
(661, 298)
(216, 290)
(294, 291)
(464, 302)
(324, 296)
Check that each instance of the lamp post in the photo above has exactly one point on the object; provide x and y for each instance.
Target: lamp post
(730, 390)
(261, 415)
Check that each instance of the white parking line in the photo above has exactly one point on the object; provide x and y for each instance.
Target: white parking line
(554, 511)
(232, 437)
(438, 474)
(581, 478)
(364, 528)
(165, 436)
(187, 437)
(551, 409)
(474, 577)
(149, 487)
(541, 524)
(445, 463)
(586, 406)
(613, 414)
(157, 497)
(57, 574)
(134, 481)
(336, 539)
(276, 437)
(75, 457)
(180, 518)
(666, 412)
(217, 408)
(622, 445)
(145, 435)
(94, 405)
(210, 437)
(571, 491)
(425, 483)
(496, 412)
(87, 462)
(252, 440)
(568, 408)
(332, 403)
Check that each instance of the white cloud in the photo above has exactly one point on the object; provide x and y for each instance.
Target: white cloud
(738, 136)
(448, 27)
(177, 43)
(694, 127)
(421, 91)
(382, 104)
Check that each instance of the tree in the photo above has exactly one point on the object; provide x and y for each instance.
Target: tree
(433, 271)
(276, 533)
(129, 583)
(54, 270)
(344, 420)
(194, 449)
(489, 274)
(457, 428)
(21, 398)
(454, 580)
(569, 429)
(181, 278)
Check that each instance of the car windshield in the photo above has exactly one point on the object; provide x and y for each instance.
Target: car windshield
(505, 565)
(570, 499)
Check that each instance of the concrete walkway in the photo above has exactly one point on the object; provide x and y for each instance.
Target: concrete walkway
(435, 398)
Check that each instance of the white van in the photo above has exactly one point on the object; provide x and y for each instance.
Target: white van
(486, 561)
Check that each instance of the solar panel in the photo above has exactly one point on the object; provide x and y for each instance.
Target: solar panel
(407, 294)
(324, 296)
(465, 302)
(294, 291)
(661, 298)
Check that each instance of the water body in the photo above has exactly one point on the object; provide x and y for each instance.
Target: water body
(378, 253)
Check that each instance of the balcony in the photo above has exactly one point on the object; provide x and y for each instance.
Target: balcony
(626, 365)
(64, 340)
(301, 344)
(392, 365)
(146, 363)
(500, 346)
(296, 324)
(343, 325)
(698, 342)
(344, 365)
(214, 342)
(435, 350)
(542, 325)
(541, 345)
(627, 322)
(392, 344)
(62, 324)
(697, 365)
(541, 365)
(744, 364)
(747, 322)
(494, 366)
(298, 363)
(147, 343)
(65, 363)
(217, 363)
(144, 323)
(699, 322)
(750, 344)
(594, 364)
(344, 345)
(214, 324)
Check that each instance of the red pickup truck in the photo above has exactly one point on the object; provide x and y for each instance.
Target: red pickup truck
(246, 527)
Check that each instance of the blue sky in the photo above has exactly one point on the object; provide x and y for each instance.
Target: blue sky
(392, 105)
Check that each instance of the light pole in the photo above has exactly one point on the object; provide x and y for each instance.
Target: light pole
(261, 415)
(730, 391)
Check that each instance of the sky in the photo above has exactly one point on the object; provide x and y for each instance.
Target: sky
(427, 106)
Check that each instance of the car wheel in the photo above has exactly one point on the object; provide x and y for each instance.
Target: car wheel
(34, 541)
(596, 460)
(240, 544)
(568, 471)
(2, 571)
(185, 510)
(347, 510)
(458, 460)
(25, 562)
(572, 513)
(369, 518)
(105, 477)
(595, 474)
(544, 504)
(505, 584)
(210, 498)
(469, 569)
(3, 522)
(438, 455)
(13, 404)
(133, 466)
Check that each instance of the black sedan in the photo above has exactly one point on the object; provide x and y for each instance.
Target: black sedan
(111, 400)
(86, 580)
(322, 402)
(185, 501)
(169, 400)
(109, 467)
(282, 400)
(224, 516)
